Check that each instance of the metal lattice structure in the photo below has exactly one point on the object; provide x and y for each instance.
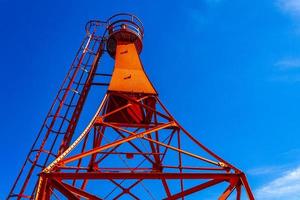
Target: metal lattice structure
(133, 148)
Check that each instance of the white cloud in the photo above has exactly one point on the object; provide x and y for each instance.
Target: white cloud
(290, 6)
(287, 186)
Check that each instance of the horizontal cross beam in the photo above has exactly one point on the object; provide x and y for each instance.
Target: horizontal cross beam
(142, 176)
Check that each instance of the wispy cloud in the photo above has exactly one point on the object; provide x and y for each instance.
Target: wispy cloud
(213, 1)
(286, 70)
(292, 153)
(290, 63)
(198, 11)
(285, 78)
(266, 170)
(290, 6)
(286, 186)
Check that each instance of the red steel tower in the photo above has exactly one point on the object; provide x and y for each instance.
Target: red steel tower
(132, 148)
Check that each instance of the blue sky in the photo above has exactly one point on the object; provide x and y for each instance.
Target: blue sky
(229, 71)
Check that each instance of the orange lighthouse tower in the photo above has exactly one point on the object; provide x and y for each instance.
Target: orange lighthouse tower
(132, 148)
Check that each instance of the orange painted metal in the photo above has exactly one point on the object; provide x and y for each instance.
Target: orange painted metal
(128, 74)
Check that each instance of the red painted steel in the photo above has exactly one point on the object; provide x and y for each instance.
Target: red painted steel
(133, 147)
